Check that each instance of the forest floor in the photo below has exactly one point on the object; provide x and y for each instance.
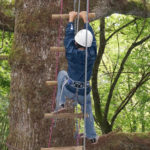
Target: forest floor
(122, 141)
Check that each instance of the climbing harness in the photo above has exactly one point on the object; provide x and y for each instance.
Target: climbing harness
(77, 84)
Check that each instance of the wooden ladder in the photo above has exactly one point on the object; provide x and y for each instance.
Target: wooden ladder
(64, 148)
(54, 83)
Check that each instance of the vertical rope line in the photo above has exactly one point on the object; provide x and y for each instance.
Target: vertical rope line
(75, 22)
(76, 26)
(77, 29)
(85, 96)
(57, 61)
(78, 17)
(74, 6)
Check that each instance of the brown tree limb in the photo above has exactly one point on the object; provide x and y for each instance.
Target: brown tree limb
(2, 40)
(127, 7)
(96, 95)
(4, 57)
(119, 73)
(114, 68)
(7, 23)
(120, 29)
(143, 80)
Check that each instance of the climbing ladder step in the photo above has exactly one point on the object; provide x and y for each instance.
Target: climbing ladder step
(64, 148)
(57, 49)
(66, 16)
(63, 115)
(51, 83)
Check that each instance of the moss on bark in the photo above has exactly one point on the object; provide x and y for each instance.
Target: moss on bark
(122, 141)
(32, 23)
(17, 54)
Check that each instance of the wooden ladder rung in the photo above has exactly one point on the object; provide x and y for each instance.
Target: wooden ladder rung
(64, 148)
(4, 57)
(51, 83)
(66, 16)
(57, 49)
(63, 115)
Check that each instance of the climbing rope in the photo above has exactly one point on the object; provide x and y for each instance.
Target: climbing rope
(76, 21)
(85, 91)
(76, 26)
(56, 72)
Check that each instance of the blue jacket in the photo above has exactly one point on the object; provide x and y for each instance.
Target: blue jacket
(76, 58)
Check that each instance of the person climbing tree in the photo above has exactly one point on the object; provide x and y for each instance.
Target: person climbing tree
(71, 84)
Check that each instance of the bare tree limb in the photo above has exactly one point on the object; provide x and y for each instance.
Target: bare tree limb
(143, 80)
(127, 7)
(120, 71)
(3, 57)
(106, 69)
(7, 23)
(96, 97)
(120, 29)
(141, 30)
(114, 68)
(3, 35)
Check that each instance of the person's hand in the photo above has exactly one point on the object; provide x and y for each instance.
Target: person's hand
(72, 16)
(83, 15)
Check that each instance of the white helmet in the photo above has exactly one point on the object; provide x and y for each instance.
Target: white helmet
(80, 38)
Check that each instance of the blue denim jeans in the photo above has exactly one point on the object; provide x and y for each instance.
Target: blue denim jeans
(63, 93)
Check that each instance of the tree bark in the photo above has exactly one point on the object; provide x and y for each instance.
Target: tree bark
(32, 64)
(6, 22)
(101, 8)
(139, 8)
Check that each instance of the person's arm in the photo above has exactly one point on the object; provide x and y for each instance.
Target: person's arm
(83, 15)
(69, 34)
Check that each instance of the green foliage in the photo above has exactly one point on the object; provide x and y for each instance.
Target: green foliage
(7, 7)
(5, 45)
(134, 117)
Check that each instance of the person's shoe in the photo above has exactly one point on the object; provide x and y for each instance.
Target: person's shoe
(94, 140)
(60, 109)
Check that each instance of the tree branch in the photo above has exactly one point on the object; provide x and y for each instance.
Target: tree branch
(127, 7)
(120, 29)
(114, 68)
(143, 80)
(119, 73)
(4, 57)
(7, 23)
(96, 96)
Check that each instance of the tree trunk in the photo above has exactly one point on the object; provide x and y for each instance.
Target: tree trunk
(129, 7)
(32, 64)
(105, 127)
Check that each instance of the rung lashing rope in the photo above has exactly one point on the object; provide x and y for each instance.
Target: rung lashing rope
(56, 72)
